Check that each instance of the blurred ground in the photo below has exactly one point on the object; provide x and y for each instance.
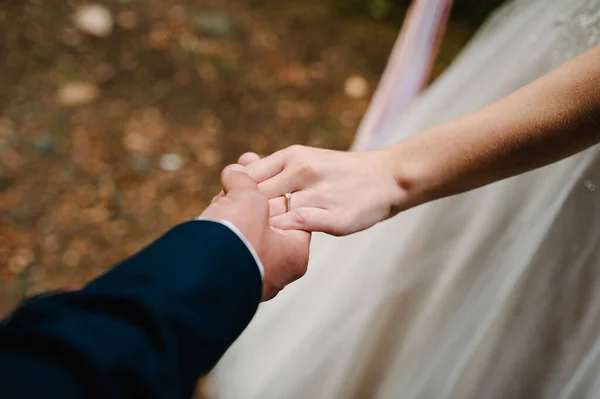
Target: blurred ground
(107, 141)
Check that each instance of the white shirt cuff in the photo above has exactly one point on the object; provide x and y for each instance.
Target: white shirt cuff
(232, 227)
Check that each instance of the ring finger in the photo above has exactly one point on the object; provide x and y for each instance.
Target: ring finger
(300, 199)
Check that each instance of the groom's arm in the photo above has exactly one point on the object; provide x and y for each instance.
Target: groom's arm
(146, 329)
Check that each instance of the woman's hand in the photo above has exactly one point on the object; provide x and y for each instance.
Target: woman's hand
(345, 192)
(334, 192)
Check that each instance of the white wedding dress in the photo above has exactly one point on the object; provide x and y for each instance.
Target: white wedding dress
(490, 294)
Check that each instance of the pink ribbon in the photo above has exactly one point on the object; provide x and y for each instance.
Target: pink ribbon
(407, 71)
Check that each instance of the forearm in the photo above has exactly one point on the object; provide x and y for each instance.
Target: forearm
(148, 328)
(552, 118)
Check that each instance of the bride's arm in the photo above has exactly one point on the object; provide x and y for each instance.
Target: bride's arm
(550, 119)
(344, 192)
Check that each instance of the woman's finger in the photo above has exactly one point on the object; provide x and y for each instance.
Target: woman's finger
(308, 219)
(247, 158)
(300, 199)
(285, 182)
(267, 167)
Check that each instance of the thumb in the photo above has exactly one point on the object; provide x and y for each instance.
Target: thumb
(235, 178)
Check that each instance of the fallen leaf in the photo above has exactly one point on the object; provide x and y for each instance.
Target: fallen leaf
(94, 19)
(77, 93)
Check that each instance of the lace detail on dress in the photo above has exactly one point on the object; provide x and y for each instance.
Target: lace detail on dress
(575, 29)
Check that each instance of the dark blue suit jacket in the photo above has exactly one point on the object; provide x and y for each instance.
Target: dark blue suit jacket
(149, 328)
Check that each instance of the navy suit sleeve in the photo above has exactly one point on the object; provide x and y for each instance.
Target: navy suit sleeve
(149, 328)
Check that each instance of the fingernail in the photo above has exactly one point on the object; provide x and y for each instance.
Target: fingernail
(237, 168)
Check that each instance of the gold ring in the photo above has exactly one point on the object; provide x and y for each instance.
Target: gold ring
(288, 201)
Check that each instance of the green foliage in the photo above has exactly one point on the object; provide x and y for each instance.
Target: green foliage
(380, 9)
(470, 11)
(392, 10)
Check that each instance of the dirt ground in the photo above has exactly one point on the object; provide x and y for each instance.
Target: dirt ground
(176, 91)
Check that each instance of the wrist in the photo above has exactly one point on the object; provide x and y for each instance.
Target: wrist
(243, 238)
(410, 168)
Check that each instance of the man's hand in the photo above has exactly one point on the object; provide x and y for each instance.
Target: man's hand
(284, 254)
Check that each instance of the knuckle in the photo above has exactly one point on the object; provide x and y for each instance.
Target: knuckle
(307, 171)
(295, 150)
(298, 217)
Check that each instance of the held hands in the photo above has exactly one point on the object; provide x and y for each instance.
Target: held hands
(284, 254)
(335, 192)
